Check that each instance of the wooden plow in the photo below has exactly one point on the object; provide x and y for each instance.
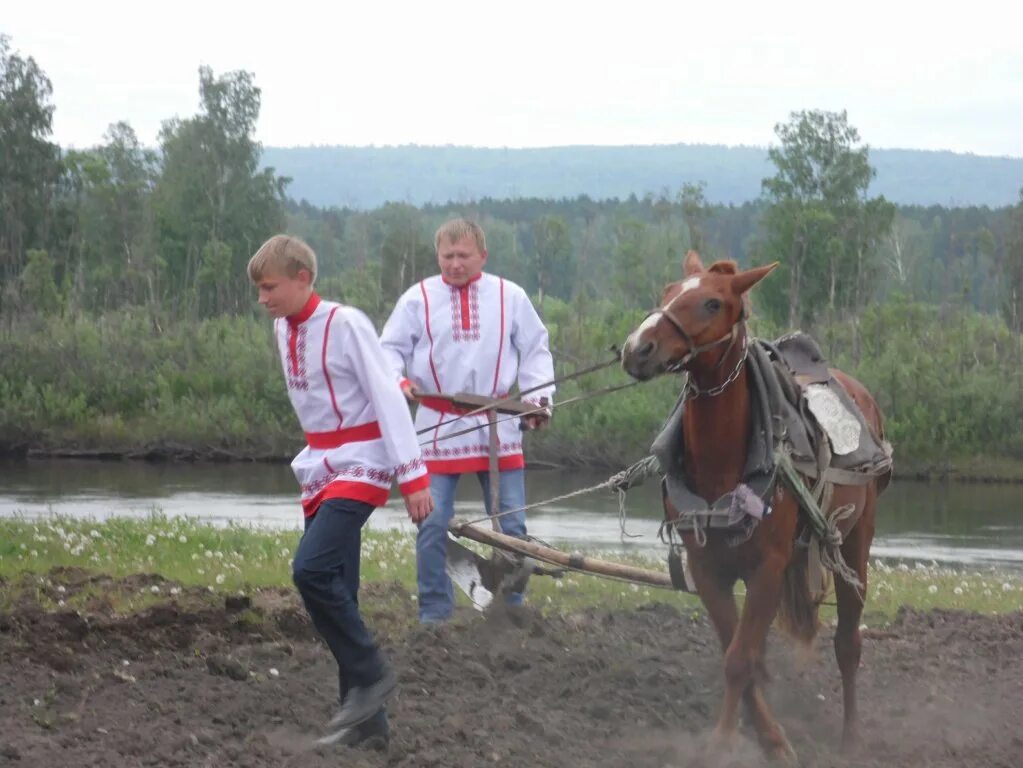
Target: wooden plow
(514, 560)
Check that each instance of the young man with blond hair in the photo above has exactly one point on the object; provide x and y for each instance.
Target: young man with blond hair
(466, 331)
(359, 438)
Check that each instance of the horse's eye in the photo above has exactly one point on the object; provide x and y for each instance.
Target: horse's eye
(712, 305)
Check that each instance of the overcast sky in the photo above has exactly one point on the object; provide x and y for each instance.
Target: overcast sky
(522, 73)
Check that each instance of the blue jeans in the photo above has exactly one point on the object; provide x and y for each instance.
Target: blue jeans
(436, 593)
(326, 572)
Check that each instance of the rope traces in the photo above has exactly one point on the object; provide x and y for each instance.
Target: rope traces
(620, 482)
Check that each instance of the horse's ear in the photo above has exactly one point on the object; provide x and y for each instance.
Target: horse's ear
(743, 281)
(728, 267)
(691, 264)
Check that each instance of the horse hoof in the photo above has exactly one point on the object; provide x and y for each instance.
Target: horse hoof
(780, 751)
(784, 755)
(716, 749)
(850, 742)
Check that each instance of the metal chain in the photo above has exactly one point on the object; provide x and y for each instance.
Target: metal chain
(719, 388)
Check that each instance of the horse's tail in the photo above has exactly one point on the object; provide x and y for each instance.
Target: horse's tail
(797, 613)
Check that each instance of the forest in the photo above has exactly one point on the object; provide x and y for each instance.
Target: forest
(127, 322)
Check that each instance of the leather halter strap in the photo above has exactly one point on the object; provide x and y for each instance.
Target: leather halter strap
(696, 349)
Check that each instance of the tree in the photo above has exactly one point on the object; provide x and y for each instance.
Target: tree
(819, 222)
(1013, 269)
(29, 163)
(695, 211)
(406, 254)
(112, 237)
(632, 264)
(39, 289)
(211, 192)
(552, 260)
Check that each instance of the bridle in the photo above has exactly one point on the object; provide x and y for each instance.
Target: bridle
(696, 349)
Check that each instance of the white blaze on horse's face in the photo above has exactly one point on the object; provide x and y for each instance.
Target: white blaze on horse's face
(650, 323)
(689, 284)
(636, 355)
(635, 339)
(646, 325)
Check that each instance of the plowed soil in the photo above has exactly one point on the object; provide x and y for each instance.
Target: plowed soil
(198, 680)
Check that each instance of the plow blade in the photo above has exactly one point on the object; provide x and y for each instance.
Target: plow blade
(465, 568)
(482, 578)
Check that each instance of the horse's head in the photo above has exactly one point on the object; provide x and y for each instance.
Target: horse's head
(697, 314)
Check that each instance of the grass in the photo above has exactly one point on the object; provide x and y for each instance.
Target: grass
(185, 554)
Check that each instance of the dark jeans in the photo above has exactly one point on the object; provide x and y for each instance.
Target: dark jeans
(326, 572)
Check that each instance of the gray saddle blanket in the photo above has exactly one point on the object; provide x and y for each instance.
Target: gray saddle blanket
(796, 404)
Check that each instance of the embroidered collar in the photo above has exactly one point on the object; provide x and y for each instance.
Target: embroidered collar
(468, 282)
(306, 312)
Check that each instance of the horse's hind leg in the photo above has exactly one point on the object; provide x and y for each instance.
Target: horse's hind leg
(848, 641)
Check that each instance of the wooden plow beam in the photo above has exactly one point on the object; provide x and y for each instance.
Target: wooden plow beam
(556, 557)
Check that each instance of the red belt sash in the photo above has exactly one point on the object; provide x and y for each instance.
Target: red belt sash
(359, 434)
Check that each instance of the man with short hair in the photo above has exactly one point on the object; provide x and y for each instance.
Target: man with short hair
(466, 331)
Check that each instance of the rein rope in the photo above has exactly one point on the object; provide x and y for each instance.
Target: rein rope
(514, 398)
(538, 409)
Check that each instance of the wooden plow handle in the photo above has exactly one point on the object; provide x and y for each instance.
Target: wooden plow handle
(556, 557)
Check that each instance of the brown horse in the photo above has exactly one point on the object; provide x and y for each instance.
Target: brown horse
(700, 327)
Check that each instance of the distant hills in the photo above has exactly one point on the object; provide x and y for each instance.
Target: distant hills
(366, 177)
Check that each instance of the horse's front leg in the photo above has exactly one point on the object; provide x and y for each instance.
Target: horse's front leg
(715, 587)
(744, 658)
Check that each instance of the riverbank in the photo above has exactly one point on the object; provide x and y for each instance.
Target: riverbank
(968, 469)
(156, 653)
(210, 390)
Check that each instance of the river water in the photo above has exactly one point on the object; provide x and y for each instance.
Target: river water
(968, 524)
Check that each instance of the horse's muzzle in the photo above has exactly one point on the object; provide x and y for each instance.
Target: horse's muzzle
(638, 359)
